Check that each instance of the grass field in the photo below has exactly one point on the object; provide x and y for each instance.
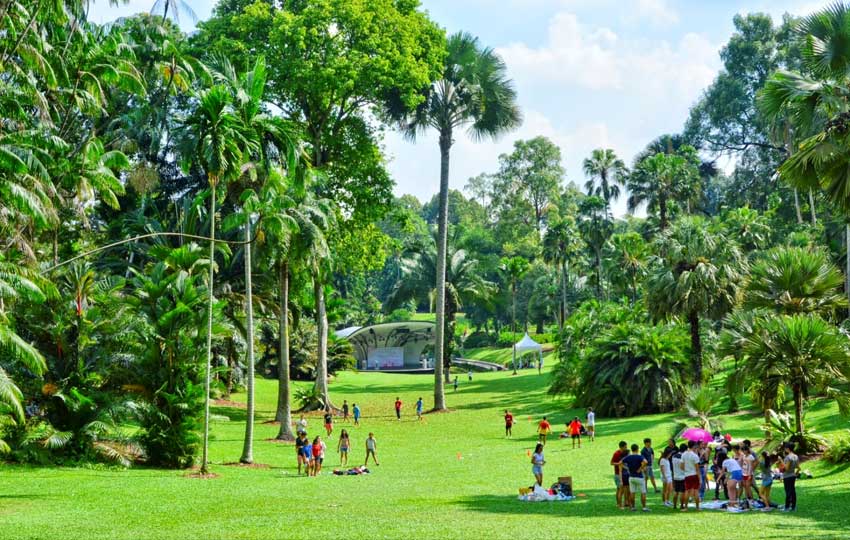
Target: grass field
(451, 476)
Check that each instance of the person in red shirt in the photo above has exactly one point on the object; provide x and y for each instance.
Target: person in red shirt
(398, 408)
(622, 492)
(509, 423)
(543, 429)
(575, 431)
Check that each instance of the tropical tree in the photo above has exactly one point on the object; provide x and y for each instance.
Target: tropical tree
(473, 91)
(697, 273)
(804, 353)
(627, 257)
(790, 280)
(596, 227)
(606, 173)
(513, 269)
(464, 286)
(661, 178)
(561, 246)
(213, 141)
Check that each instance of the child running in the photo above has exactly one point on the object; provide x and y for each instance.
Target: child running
(371, 448)
(342, 447)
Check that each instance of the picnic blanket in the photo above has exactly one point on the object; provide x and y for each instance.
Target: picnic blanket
(539, 494)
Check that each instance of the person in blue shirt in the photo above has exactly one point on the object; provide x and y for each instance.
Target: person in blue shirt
(419, 406)
(648, 454)
(356, 412)
(636, 465)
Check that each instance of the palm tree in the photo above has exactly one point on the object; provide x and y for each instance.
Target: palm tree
(464, 286)
(696, 273)
(514, 269)
(606, 173)
(474, 91)
(791, 280)
(561, 244)
(627, 256)
(659, 179)
(804, 353)
(213, 141)
(596, 227)
(175, 7)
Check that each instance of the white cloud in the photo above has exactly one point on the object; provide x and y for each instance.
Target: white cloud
(657, 12)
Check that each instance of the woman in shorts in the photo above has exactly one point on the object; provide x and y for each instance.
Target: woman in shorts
(765, 466)
(734, 478)
(537, 462)
(666, 477)
(318, 455)
(342, 447)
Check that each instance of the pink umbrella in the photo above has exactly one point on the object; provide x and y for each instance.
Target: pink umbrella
(697, 434)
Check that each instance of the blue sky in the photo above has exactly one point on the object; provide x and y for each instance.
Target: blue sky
(589, 73)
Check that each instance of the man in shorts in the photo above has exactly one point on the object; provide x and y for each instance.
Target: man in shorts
(591, 423)
(575, 431)
(543, 429)
(678, 477)
(690, 466)
(649, 455)
(636, 464)
(616, 460)
(329, 422)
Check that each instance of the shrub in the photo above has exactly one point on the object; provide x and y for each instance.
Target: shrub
(779, 428)
(839, 450)
(479, 339)
(399, 315)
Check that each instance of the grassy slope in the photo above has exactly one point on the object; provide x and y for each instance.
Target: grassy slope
(421, 490)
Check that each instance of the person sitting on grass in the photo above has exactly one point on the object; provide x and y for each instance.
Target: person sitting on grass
(342, 447)
(618, 456)
(543, 429)
(537, 462)
(636, 465)
(649, 455)
(575, 431)
(371, 448)
(666, 477)
(509, 424)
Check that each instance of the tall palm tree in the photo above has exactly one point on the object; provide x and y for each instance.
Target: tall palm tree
(791, 280)
(627, 256)
(474, 91)
(213, 141)
(804, 353)
(697, 273)
(175, 7)
(606, 173)
(561, 245)
(659, 179)
(464, 286)
(514, 269)
(596, 227)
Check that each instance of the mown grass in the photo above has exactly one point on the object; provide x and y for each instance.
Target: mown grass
(451, 476)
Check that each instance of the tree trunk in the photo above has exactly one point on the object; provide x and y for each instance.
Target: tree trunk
(847, 261)
(564, 311)
(797, 207)
(513, 322)
(442, 241)
(213, 181)
(696, 347)
(812, 207)
(133, 253)
(662, 213)
(447, 351)
(248, 447)
(284, 406)
(322, 330)
(798, 415)
(598, 274)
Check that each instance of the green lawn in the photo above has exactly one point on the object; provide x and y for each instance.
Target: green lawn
(421, 490)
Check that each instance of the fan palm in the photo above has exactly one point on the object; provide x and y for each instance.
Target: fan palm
(473, 91)
(803, 352)
(606, 173)
(659, 179)
(696, 273)
(213, 141)
(627, 256)
(792, 280)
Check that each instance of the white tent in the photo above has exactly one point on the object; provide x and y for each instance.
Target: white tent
(527, 345)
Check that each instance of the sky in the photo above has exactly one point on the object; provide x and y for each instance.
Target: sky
(589, 74)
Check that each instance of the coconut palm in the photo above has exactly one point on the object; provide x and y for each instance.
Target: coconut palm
(464, 285)
(791, 280)
(606, 173)
(697, 273)
(213, 141)
(561, 245)
(473, 91)
(596, 227)
(804, 353)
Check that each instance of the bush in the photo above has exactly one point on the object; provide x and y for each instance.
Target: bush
(780, 429)
(839, 450)
(399, 315)
(479, 339)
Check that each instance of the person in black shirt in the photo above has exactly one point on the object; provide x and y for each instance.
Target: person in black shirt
(345, 410)
(329, 422)
(300, 442)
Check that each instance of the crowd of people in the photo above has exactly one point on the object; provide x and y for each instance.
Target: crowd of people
(684, 472)
(311, 454)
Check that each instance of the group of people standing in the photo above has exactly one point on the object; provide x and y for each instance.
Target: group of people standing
(311, 454)
(684, 478)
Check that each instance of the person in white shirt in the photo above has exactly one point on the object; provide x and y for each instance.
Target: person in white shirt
(590, 425)
(690, 466)
(734, 477)
(666, 476)
(678, 476)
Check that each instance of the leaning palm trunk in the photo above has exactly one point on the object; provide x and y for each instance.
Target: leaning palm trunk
(322, 330)
(797, 207)
(248, 448)
(442, 242)
(213, 181)
(284, 407)
(812, 207)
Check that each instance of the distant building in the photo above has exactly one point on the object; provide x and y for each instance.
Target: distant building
(390, 346)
